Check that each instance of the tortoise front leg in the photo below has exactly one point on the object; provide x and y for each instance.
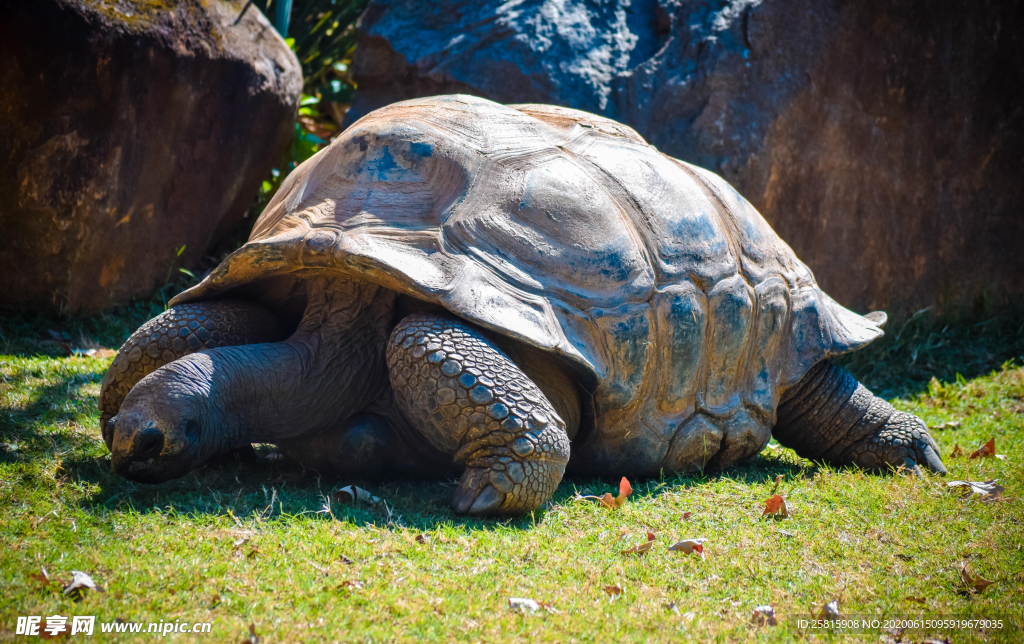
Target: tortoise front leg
(829, 416)
(472, 402)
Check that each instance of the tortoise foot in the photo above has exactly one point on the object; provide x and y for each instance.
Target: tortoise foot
(903, 441)
(474, 403)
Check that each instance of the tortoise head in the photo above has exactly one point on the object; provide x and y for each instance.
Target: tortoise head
(163, 428)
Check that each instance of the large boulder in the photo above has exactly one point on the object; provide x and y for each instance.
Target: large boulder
(129, 129)
(882, 140)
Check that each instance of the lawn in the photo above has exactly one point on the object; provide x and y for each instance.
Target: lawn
(266, 552)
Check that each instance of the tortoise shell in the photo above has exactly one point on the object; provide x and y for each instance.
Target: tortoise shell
(681, 312)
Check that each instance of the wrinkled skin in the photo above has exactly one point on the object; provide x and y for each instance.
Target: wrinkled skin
(354, 391)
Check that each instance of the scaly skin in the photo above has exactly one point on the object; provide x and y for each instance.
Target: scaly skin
(178, 332)
(471, 401)
(830, 417)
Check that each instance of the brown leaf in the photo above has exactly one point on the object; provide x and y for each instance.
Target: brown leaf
(775, 507)
(974, 582)
(350, 584)
(987, 491)
(614, 590)
(778, 479)
(422, 538)
(345, 560)
(549, 607)
(689, 546)
(953, 424)
(610, 502)
(830, 610)
(918, 600)
(764, 616)
(353, 494)
(643, 548)
(686, 515)
(957, 451)
(988, 450)
(253, 638)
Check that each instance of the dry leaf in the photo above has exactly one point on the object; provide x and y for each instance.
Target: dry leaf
(988, 450)
(689, 546)
(353, 494)
(610, 502)
(778, 480)
(614, 590)
(775, 507)
(524, 604)
(957, 451)
(350, 584)
(830, 610)
(80, 582)
(975, 583)
(953, 424)
(987, 491)
(643, 548)
(686, 515)
(345, 560)
(550, 608)
(422, 538)
(673, 607)
(918, 600)
(764, 616)
(253, 637)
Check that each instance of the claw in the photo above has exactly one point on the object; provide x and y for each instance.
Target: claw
(932, 460)
(489, 501)
(908, 463)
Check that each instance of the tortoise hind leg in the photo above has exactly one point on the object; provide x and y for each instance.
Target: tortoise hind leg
(472, 402)
(177, 332)
(829, 416)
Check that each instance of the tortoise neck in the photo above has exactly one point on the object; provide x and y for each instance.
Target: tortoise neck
(327, 371)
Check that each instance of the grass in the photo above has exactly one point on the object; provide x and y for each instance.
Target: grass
(263, 544)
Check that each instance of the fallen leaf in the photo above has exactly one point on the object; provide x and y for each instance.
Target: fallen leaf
(987, 491)
(550, 608)
(643, 548)
(42, 576)
(686, 515)
(778, 479)
(253, 638)
(673, 607)
(350, 584)
(957, 451)
(918, 600)
(988, 450)
(614, 590)
(63, 339)
(240, 542)
(523, 604)
(422, 538)
(763, 616)
(80, 582)
(353, 494)
(345, 560)
(953, 424)
(610, 502)
(974, 582)
(830, 610)
(689, 546)
(323, 571)
(775, 507)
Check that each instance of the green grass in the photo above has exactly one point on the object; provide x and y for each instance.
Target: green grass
(262, 543)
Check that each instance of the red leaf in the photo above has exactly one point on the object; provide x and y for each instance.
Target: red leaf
(987, 451)
(775, 507)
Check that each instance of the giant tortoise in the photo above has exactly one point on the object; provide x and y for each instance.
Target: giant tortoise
(506, 290)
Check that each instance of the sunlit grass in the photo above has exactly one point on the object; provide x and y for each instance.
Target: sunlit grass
(262, 543)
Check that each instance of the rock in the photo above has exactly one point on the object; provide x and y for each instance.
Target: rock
(882, 140)
(128, 129)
